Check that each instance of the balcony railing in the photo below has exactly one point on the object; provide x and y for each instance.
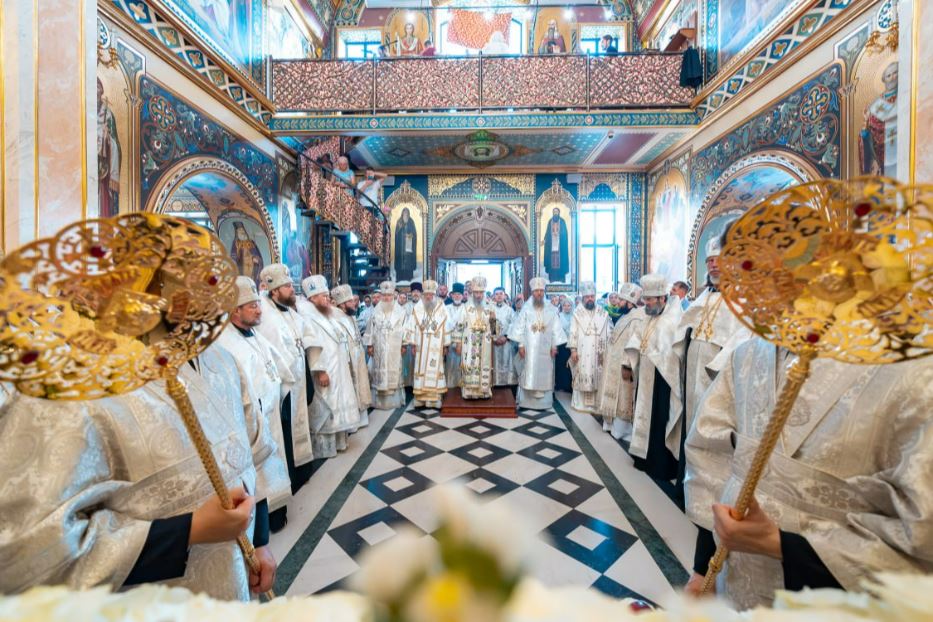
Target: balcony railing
(643, 80)
(339, 203)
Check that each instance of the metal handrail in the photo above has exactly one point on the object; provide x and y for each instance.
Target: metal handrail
(368, 204)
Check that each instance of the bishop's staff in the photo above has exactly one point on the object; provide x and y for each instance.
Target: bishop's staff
(830, 269)
(108, 305)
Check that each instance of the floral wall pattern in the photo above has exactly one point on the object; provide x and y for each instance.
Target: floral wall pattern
(805, 122)
(172, 130)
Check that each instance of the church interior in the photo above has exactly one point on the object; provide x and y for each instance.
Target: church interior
(594, 162)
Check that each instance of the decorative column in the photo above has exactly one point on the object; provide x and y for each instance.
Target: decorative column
(47, 115)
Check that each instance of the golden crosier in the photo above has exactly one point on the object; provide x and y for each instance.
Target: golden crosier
(107, 305)
(833, 269)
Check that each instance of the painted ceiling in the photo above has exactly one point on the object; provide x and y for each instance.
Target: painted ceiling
(526, 151)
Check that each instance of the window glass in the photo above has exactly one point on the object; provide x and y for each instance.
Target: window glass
(587, 265)
(605, 227)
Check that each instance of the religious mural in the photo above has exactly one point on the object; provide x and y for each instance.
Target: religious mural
(232, 27)
(873, 128)
(554, 236)
(407, 213)
(405, 33)
(286, 39)
(740, 21)
(553, 32)
(247, 242)
(113, 131)
(295, 231)
(669, 225)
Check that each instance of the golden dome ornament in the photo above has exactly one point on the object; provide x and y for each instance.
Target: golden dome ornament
(835, 269)
(107, 305)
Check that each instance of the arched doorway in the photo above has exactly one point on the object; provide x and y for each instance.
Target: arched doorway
(741, 186)
(217, 196)
(480, 233)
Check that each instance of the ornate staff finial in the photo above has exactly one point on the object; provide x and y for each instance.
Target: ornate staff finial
(836, 269)
(105, 306)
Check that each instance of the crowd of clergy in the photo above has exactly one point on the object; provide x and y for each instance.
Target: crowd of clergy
(109, 491)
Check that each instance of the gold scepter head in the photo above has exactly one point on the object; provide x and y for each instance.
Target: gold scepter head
(106, 305)
(837, 269)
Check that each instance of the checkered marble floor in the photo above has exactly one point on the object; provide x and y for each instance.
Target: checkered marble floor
(543, 465)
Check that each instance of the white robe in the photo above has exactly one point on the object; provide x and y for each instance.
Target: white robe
(428, 333)
(538, 331)
(386, 334)
(615, 400)
(656, 355)
(503, 365)
(589, 336)
(476, 359)
(455, 330)
(82, 482)
(334, 408)
(364, 395)
(285, 330)
(851, 472)
(695, 360)
(261, 390)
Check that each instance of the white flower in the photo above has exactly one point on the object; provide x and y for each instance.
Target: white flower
(390, 567)
(903, 596)
(854, 602)
(500, 532)
(534, 602)
(329, 607)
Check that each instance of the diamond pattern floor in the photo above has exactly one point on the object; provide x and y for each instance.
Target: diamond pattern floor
(534, 464)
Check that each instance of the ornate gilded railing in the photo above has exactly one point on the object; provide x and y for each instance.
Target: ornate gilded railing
(341, 204)
(644, 80)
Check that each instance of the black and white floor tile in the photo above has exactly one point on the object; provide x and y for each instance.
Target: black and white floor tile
(600, 522)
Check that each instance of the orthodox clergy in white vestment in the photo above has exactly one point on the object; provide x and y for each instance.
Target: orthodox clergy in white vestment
(616, 388)
(384, 339)
(334, 409)
(657, 378)
(504, 373)
(474, 343)
(343, 298)
(706, 328)
(105, 492)
(589, 337)
(538, 332)
(285, 330)
(261, 390)
(427, 332)
(454, 329)
(848, 492)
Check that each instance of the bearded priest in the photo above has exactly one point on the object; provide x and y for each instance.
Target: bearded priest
(384, 339)
(283, 327)
(589, 336)
(474, 344)
(262, 375)
(347, 305)
(616, 389)
(538, 332)
(427, 333)
(334, 409)
(706, 328)
(657, 379)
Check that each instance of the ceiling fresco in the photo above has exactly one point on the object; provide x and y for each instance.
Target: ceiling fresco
(526, 151)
